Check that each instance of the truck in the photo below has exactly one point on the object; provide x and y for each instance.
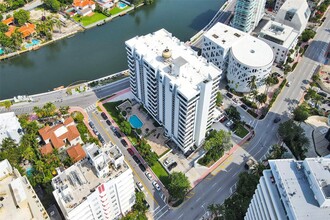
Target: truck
(250, 164)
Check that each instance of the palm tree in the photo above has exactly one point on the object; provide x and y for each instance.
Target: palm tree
(254, 94)
(57, 23)
(7, 104)
(17, 39)
(268, 82)
(214, 209)
(252, 83)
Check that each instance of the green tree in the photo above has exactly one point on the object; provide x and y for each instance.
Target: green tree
(53, 5)
(3, 27)
(21, 17)
(16, 39)
(300, 113)
(261, 98)
(7, 104)
(252, 83)
(316, 77)
(78, 117)
(64, 110)
(140, 205)
(125, 127)
(219, 99)
(233, 113)
(307, 35)
(294, 137)
(179, 185)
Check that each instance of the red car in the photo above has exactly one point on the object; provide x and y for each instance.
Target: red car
(130, 151)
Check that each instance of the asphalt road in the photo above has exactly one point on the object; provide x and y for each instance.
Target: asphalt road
(60, 98)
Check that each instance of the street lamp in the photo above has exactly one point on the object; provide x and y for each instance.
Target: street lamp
(204, 210)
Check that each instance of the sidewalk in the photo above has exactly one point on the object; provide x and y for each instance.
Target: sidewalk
(82, 111)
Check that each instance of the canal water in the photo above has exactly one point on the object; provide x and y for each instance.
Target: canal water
(100, 51)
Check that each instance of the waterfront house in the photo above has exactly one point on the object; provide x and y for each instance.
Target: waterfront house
(8, 21)
(106, 4)
(84, 7)
(27, 30)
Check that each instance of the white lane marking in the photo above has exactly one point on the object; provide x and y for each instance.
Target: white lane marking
(235, 173)
(219, 189)
(214, 185)
(180, 216)
(198, 199)
(162, 214)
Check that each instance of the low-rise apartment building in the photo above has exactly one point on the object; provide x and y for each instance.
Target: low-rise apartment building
(10, 127)
(18, 199)
(280, 38)
(239, 55)
(101, 186)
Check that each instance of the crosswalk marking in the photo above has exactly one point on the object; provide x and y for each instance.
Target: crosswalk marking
(90, 108)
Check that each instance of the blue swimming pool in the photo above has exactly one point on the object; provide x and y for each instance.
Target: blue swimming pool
(121, 5)
(33, 43)
(1, 51)
(29, 171)
(135, 122)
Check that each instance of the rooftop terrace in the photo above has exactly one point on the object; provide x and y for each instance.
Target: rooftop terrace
(76, 183)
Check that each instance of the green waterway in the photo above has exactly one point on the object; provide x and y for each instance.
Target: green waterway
(100, 51)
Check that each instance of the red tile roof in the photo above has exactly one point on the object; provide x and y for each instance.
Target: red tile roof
(76, 152)
(48, 134)
(82, 3)
(27, 29)
(10, 31)
(68, 121)
(46, 149)
(8, 21)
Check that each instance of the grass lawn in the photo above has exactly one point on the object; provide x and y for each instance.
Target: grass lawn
(87, 20)
(161, 173)
(117, 10)
(241, 131)
(111, 108)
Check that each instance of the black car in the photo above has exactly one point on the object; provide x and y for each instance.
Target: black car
(101, 139)
(229, 95)
(113, 129)
(136, 159)
(277, 119)
(322, 94)
(108, 122)
(123, 142)
(91, 124)
(117, 133)
(142, 167)
(104, 116)
(172, 165)
(244, 107)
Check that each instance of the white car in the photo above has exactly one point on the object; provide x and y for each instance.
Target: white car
(229, 123)
(148, 175)
(155, 184)
(166, 162)
(140, 185)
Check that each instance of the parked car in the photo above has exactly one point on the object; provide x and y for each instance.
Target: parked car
(223, 119)
(155, 184)
(104, 116)
(101, 138)
(148, 176)
(288, 84)
(146, 203)
(172, 165)
(229, 123)
(277, 119)
(229, 95)
(136, 159)
(117, 133)
(166, 162)
(123, 142)
(130, 151)
(108, 122)
(142, 167)
(91, 124)
(322, 94)
(244, 107)
(140, 186)
(113, 129)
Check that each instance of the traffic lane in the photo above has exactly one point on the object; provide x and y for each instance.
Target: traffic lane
(108, 135)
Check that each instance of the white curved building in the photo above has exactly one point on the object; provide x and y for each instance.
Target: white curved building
(249, 57)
